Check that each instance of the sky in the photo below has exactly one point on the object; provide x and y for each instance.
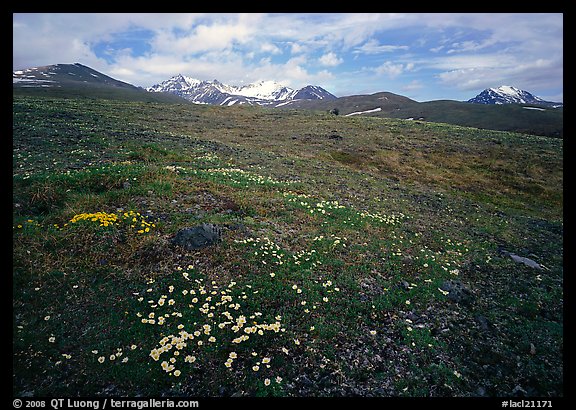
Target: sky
(423, 56)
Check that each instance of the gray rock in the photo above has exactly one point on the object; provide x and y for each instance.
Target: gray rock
(525, 261)
(197, 237)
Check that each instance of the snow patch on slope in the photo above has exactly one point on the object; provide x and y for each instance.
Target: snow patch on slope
(363, 112)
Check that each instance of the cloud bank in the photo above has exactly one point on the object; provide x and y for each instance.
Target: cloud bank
(445, 55)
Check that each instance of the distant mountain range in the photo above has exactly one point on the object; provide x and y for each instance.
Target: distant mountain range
(504, 108)
(269, 93)
(506, 94)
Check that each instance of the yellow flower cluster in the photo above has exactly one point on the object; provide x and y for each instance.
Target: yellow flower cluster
(28, 222)
(103, 218)
(134, 220)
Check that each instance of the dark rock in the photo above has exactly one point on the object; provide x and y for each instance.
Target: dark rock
(482, 323)
(197, 237)
(458, 293)
(305, 380)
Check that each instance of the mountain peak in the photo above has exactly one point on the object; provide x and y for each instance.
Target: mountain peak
(508, 90)
(507, 94)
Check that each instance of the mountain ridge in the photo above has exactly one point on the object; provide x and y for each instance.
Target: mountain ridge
(264, 92)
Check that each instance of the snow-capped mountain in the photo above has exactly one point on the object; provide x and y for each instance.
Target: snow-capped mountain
(216, 93)
(506, 94)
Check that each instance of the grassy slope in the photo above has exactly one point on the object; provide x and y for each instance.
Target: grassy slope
(509, 117)
(349, 296)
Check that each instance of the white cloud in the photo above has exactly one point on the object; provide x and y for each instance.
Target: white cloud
(330, 59)
(372, 46)
(466, 61)
(205, 37)
(393, 70)
(296, 48)
(270, 48)
(528, 75)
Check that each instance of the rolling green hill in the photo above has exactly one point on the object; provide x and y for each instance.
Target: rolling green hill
(355, 256)
(507, 117)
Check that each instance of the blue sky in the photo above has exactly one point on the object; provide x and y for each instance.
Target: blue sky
(422, 56)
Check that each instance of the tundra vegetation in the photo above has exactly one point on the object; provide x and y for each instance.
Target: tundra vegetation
(357, 256)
